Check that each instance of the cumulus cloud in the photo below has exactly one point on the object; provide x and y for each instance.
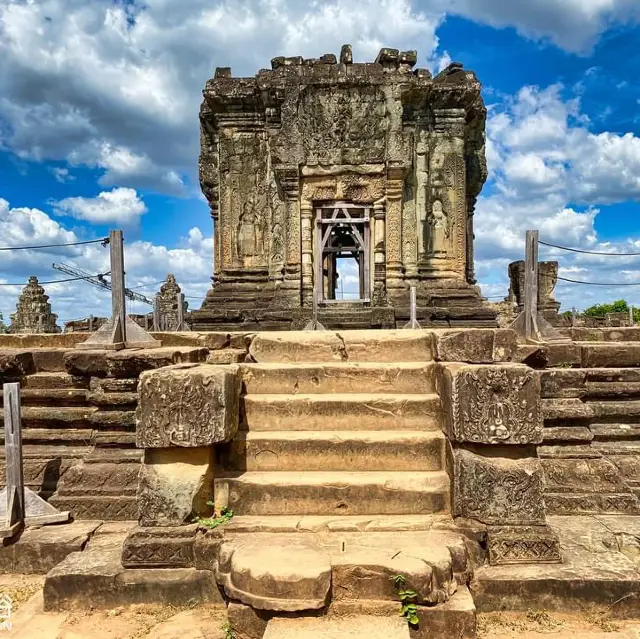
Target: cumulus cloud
(551, 173)
(116, 86)
(146, 264)
(574, 25)
(118, 206)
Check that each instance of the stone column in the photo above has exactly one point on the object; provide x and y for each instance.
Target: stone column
(379, 296)
(393, 227)
(306, 221)
(447, 208)
(213, 208)
(289, 181)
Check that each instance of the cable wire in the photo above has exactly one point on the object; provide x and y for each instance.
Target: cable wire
(104, 241)
(69, 279)
(566, 279)
(575, 250)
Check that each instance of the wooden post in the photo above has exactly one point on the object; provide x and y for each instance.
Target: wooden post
(531, 284)
(15, 513)
(573, 316)
(156, 314)
(91, 323)
(180, 300)
(118, 300)
(631, 315)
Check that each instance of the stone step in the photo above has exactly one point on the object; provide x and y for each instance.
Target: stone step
(610, 354)
(52, 381)
(51, 397)
(342, 411)
(613, 389)
(611, 409)
(338, 378)
(370, 626)
(58, 417)
(353, 346)
(54, 435)
(334, 493)
(117, 401)
(336, 450)
(615, 432)
(334, 523)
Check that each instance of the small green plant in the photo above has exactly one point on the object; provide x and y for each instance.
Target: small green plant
(408, 597)
(228, 631)
(217, 519)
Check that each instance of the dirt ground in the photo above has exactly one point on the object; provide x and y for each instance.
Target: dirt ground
(208, 622)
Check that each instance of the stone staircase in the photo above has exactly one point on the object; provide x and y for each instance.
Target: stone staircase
(591, 447)
(338, 482)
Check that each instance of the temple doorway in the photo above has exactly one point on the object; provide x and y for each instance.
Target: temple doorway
(342, 249)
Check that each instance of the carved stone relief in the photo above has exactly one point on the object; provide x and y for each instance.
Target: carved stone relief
(492, 404)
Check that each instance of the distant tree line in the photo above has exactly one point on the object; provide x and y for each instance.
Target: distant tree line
(602, 310)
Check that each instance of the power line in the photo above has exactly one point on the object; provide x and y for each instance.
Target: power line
(142, 286)
(104, 241)
(575, 250)
(565, 279)
(69, 279)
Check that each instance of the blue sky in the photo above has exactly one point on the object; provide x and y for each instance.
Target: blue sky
(99, 127)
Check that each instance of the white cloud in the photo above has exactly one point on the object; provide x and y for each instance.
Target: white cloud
(118, 206)
(146, 264)
(574, 25)
(116, 86)
(551, 173)
(62, 175)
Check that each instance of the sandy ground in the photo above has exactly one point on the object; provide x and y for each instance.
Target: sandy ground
(208, 622)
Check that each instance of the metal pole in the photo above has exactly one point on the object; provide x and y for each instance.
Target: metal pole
(13, 453)
(118, 301)
(531, 284)
(413, 310)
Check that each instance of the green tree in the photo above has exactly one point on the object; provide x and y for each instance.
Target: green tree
(600, 310)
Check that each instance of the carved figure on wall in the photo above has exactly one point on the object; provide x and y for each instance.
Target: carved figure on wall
(250, 235)
(439, 229)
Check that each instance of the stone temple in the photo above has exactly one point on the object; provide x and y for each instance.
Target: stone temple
(315, 161)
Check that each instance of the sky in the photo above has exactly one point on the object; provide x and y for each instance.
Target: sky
(99, 128)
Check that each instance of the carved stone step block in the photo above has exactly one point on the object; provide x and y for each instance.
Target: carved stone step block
(109, 508)
(475, 346)
(51, 381)
(113, 400)
(523, 545)
(491, 404)
(168, 547)
(188, 406)
(338, 378)
(110, 385)
(498, 490)
(574, 476)
(373, 627)
(175, 485)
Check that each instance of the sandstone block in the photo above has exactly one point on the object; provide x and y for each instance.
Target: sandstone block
(287, 575)
(247, 622)
(188, 406)
(174, 485)
(475, 346)
(297, 346)
(15, 364)
(498, 490)
(372, 627)
(491, 404)
(523, 545)
(610, 354)
(166, 547)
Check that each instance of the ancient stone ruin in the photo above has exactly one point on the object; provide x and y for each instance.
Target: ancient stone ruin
(314, 161)
(311, 483)
(167, 305)
(33, 311)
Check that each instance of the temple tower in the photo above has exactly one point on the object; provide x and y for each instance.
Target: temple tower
(316, 161)
(33, 311)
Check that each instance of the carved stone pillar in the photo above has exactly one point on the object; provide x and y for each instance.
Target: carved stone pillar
(213, 209)
(306, 219)
(379, 297)
(393, 227)
(446, 209)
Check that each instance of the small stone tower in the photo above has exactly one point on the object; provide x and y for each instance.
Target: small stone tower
(167, 302)
(33, 311)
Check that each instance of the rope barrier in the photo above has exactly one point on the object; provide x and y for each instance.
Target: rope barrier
(69, 279)
(104, 241)
(566, 279)
(575, 250)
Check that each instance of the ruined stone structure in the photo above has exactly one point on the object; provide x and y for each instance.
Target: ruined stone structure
(167, 304)
(317, 160)
(33, 311)
(547, 280)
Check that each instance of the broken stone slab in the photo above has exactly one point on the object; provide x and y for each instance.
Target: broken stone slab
(498, 490)
(475, 346)
(297, 346)
(610, 354)
(288, 574)
(387, 346)
(247, 622)
(14, 364)
(372, 627)
(188, 406)
(497, 404)
(129, 363)
(166, 547)
(38, 550)
(561, 383)
(175, 485)
(523, 545)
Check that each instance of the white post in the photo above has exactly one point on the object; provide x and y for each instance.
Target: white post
(413, 310)
(13, 453)
(118, 301)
